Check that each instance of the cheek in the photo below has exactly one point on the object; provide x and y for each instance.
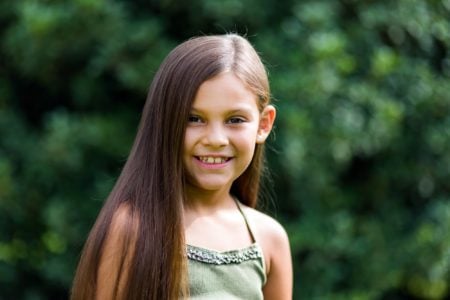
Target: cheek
(247, 142)
(188, 139)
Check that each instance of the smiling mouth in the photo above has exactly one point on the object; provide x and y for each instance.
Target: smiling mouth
(213, 160)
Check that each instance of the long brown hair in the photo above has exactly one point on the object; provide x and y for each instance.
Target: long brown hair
(151, 184)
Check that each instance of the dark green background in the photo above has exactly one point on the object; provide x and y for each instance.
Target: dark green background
(360, 157)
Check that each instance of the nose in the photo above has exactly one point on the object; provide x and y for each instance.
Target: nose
(215, 136)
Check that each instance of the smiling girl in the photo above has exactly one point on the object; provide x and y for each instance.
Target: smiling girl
(180, 221)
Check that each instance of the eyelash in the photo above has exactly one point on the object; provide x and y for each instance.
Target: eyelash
(194, 119)
(236, 120)
(232, 120)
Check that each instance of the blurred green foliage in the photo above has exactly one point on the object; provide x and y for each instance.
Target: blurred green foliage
(360, 158)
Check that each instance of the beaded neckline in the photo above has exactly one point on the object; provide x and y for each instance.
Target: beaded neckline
(224, 258)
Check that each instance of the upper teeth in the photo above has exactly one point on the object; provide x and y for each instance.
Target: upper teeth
(212, 160)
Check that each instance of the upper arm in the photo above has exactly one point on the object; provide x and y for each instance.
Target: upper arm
(275, 244)
(116, 256)
(279, 277)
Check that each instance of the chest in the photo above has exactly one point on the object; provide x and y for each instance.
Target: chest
(236, 274)
(219, 234)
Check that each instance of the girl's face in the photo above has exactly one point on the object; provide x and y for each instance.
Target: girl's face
(223, 129)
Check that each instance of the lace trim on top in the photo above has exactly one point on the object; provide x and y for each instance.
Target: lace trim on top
(223, 258)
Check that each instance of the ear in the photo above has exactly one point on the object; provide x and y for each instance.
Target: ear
(265, 123)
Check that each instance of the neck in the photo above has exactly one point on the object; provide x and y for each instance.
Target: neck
(207, 201)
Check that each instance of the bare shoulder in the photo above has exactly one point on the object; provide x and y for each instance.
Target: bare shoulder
(274, 242)
(268, 230)
(122, 222)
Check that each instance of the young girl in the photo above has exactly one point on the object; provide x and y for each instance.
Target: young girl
(180, 221)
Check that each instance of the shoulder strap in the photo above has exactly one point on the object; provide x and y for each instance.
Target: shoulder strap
(238, 204)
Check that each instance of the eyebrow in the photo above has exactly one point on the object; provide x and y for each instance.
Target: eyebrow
(232, 111)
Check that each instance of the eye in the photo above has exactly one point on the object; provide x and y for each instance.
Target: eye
(194, 119)
(236, 120)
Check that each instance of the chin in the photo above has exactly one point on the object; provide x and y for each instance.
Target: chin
(210, 185)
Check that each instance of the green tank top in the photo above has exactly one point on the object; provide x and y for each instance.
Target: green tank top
(227, 275)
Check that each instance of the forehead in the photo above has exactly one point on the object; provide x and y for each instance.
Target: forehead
(225, 91)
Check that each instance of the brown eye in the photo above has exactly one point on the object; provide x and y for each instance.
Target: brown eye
(236, 120)
(194, 119)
